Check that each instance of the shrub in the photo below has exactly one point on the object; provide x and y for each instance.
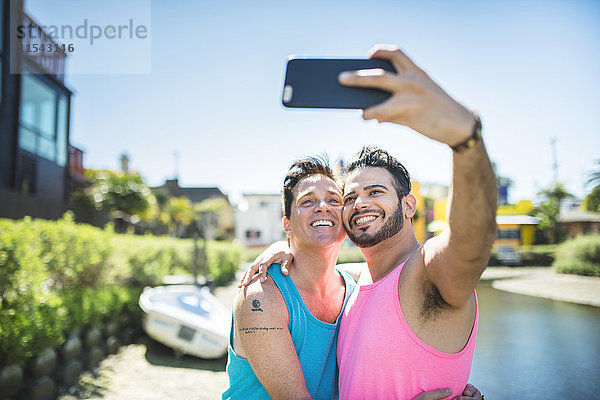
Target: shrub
(145, 260)
(538, 254)
(580, 256)
(59, 275)
(493, 260)
(249, 254)
(350, 254)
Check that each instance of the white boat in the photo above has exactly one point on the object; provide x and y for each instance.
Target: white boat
(187, 318)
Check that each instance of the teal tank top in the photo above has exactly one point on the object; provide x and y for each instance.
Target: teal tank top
(315, 342)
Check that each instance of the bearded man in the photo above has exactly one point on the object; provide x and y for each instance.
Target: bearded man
(411, 325)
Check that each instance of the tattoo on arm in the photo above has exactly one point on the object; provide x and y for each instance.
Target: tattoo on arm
(258, 329)
(256, 305)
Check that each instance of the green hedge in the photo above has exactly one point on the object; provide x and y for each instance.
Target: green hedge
(580, 256)
(537, 255)
(543, 254)
(350, 254)
(58, 275)
(249, 254)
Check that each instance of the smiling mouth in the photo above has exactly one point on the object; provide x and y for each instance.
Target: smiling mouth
(364, 220)
(321, 222)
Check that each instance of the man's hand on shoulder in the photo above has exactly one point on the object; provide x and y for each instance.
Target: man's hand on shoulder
(276, 253)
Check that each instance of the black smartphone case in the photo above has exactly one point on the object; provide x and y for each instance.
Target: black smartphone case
(313, 83)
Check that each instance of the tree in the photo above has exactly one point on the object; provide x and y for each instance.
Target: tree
(224, 216)
(549, 210)
(124, 195)
(595, 175)
(592, 200)
(180, 213)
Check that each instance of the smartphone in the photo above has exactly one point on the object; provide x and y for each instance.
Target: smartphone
(313, 83)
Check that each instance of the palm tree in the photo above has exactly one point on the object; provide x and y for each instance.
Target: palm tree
(592, 200)
(595, 175)
(549, 210)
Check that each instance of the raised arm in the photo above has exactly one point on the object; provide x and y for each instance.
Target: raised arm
(261, 335)
(455, 259)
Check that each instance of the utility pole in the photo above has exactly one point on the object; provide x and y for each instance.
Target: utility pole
(554, 160)
(176, 163)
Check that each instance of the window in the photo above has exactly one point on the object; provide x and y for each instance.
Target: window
(61, 132)
(252, 234)
(2, 3)
(43, 120)
(509, 234)
(27, 176)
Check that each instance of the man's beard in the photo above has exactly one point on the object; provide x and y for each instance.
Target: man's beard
(391, 226)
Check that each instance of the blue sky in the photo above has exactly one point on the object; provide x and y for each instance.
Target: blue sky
(216, 72)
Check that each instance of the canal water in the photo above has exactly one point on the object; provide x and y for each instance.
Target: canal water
(536, 349)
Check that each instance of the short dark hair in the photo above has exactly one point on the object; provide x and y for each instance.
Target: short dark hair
(371, 156)
(299, 170)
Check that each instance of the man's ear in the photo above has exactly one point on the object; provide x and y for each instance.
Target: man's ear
(410, 205)
(287, 226)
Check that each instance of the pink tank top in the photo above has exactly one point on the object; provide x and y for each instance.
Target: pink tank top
(380, 357)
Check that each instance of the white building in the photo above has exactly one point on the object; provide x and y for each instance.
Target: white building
(258, 219)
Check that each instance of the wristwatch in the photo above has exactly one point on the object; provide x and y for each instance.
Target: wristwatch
(473, 139)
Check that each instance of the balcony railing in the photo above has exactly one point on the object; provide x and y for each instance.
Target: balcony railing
(51, 62)
(76, 162)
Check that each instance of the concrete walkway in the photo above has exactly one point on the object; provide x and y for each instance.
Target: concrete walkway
(148, 370)
(544, 282)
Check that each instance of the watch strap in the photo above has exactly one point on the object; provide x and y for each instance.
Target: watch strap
(473, 139)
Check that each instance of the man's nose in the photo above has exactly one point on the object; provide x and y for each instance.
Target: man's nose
(360, 202)
(323, 206)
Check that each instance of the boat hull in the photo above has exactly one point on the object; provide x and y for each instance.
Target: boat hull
(187, 319)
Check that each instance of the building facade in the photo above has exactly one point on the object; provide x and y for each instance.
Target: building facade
(578, 222)
(515, 226)
(224, 219)
(194, 194)
(34, 121)
(258, 219)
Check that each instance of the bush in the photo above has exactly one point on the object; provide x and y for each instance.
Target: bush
(249, 254)
(538, 254)
(145, 260)
(493, 260)
(580, 256)
(223, 261)
(59, 275)
(350, 254)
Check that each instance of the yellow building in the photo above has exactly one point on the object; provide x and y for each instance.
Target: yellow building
(523, 207)
(515, 227)
(440, 221)
(419, 220)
